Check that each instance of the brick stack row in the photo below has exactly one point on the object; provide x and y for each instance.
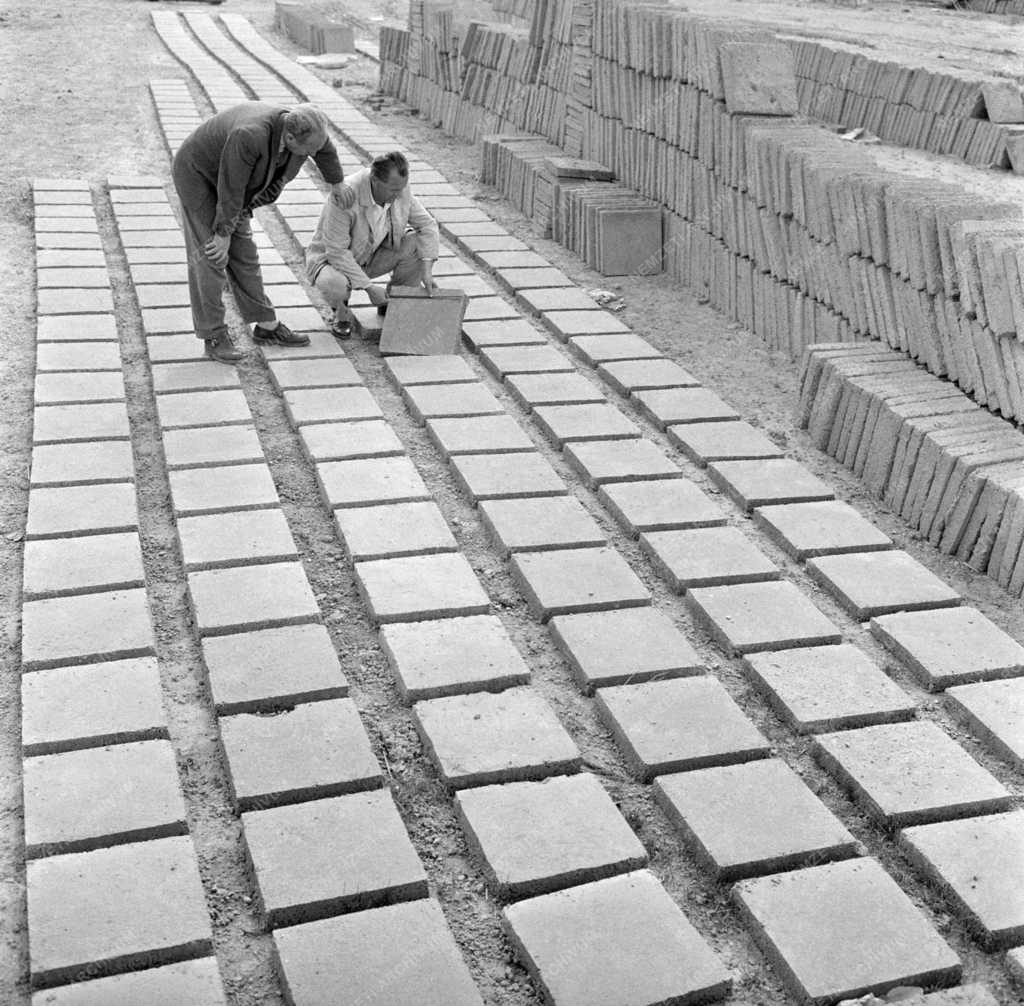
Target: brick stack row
(948, 467)
(311, 29)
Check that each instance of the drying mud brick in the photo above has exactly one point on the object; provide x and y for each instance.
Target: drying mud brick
(301, 876)
(843, 930)
(659, 505)
(398, 955)
(751, 819)
(535, 525)
(315, 750)
(485, 738)
(537, 837)
(423, 325)
(452, 656)
(417, 587)
(828, 527)
(994, 710)
(677, 725)
(103, 910)
(269, 668)
(707, 557)
(622, 939)
(195, 982)
(817, 688)
(950, 647)
(910, 773)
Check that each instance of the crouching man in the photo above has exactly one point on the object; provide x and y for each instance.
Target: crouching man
(386, 230)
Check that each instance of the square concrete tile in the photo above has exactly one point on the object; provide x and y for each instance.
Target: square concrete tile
(565, 581)
(591, 320)
(616, 941)
(213, 446)
(994, 711)
(478, 435)
(418, 587)
(606, 461)
(253, 597)
(843, 930)
(564, 423)
(203, 408)
(76, 327)
(229, 487)
(55, 566)
(370, 482)
(707, 557)
(79, 386)
(486, 738)
(766, 483)
(667, 406)
(817, 688)
(534, 525)
(409, 370)
(910, 773)
(750, 819)
(330, 405)
(677, 725)
(598, 349)
(201, 375)
(830, 527)
(542, 299)
(68, 510)
(505, 360)
(490, 476)
(195, 981)
(333, 371)
(760, 616)
(507, 332)
(370, 438)
(879, 583)
(536, 837)
(235, 538)
(659, 505)
(531, 390)
(399, 529)
(80, 356)
(627, 376)
(732, 440)
(425, 401)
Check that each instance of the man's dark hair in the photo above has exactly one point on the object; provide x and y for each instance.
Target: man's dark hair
(384, 164)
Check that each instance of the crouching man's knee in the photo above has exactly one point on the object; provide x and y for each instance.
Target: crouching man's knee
(335, 287)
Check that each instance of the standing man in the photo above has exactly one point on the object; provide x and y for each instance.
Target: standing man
(385, 230)
(237, 160)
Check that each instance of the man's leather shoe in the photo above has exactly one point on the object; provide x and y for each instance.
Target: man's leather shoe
(281, 336)
(222, 351)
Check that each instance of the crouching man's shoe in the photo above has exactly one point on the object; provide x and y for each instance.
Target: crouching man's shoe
(221, 350)
(281, 335)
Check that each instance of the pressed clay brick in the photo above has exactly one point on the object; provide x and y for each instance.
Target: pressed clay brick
(346, 441)
(626, 376)
(533, 525)
(623, 647)
(580, 579)
(536, 837)
(830, 527)
(950, 647)
(81, 464)
(370, 481)
(270, 668)
(910, 773)
(843, 930)
(315, 750)
(235, 538)
(86, 628)
(398, 955)
(90, 705)
(605, 461)
(707, 556)
(429, 400)
(80, 800)
(81, 509)
(252, 597)
(994, 710)
(565, 423)
(229, 487)
(400, 529)
(667, 406)
(111, 907)
(877, 583)
(478, 435)
(979, 862)
(194, 982)
(679, 724)
(703, 443)
(509, 332)
(410, 370)
(330, 856)
(616, 941)
(531, 390)
(484, 738)
(91, 421)
(762, 483)
(325, 405)
(751, 819)
(417, 587)
(817, 688)
(75, 565)
(451, 656)
(761, 616)
(491, 476)
(659, 505)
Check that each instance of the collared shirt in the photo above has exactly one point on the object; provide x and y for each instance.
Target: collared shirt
(379, 219)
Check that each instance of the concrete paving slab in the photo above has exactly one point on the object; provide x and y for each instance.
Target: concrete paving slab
(598, 349)
(330, 405)
(70, 510)
(478, 435)
(370, 482)
(490, 476)
(530, 390)
(79, 386)
(301, 877)
(196, 982)
(203, 408)
(818, 688)
(659, 505)
(406, 371)
(535, 525)
(228, 487)
(59, 567)
(77, 356)
(322, 346)
(426, 401)
(707, 557)
(505, 360)
(668, 406)
(333, 371)
(489, 309)
(417, 587)
(751, 819)
(251, 597)
(77, 327)
(235, 538)
(487, 738)
(79, 300)
(393, 530)
(168, 320)
(507, 332)
(829, 527)
(910, 773)
(732, 440)
(537, 837)
(565, 423)
(80, 423)
(766, 483)
(591, 320)
(557, 298)
(994, 711)
(601, 462)
(627, 376)
(370, 438)
(618, 940)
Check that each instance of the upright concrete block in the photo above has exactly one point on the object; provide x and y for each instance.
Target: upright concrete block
(759, 78)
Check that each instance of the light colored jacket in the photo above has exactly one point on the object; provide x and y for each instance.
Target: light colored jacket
(344, 240)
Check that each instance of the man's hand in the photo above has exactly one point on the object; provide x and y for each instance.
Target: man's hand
(377, 294)
(343, 195)
(428, 276)
(217, 249)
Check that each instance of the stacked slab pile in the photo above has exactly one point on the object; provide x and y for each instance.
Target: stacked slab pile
(796, 233)
(948, 467)
(311, 29)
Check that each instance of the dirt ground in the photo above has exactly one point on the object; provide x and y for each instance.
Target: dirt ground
(75, 105)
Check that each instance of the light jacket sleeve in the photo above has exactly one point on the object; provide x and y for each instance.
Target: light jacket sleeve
(327, 163)
(337, 235)
(240, 153)
(427, 234)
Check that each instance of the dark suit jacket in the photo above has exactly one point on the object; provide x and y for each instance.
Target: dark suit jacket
(231, 162)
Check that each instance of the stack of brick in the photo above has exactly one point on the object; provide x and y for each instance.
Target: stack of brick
(311, 29)
(948, 467)
(613, 230)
